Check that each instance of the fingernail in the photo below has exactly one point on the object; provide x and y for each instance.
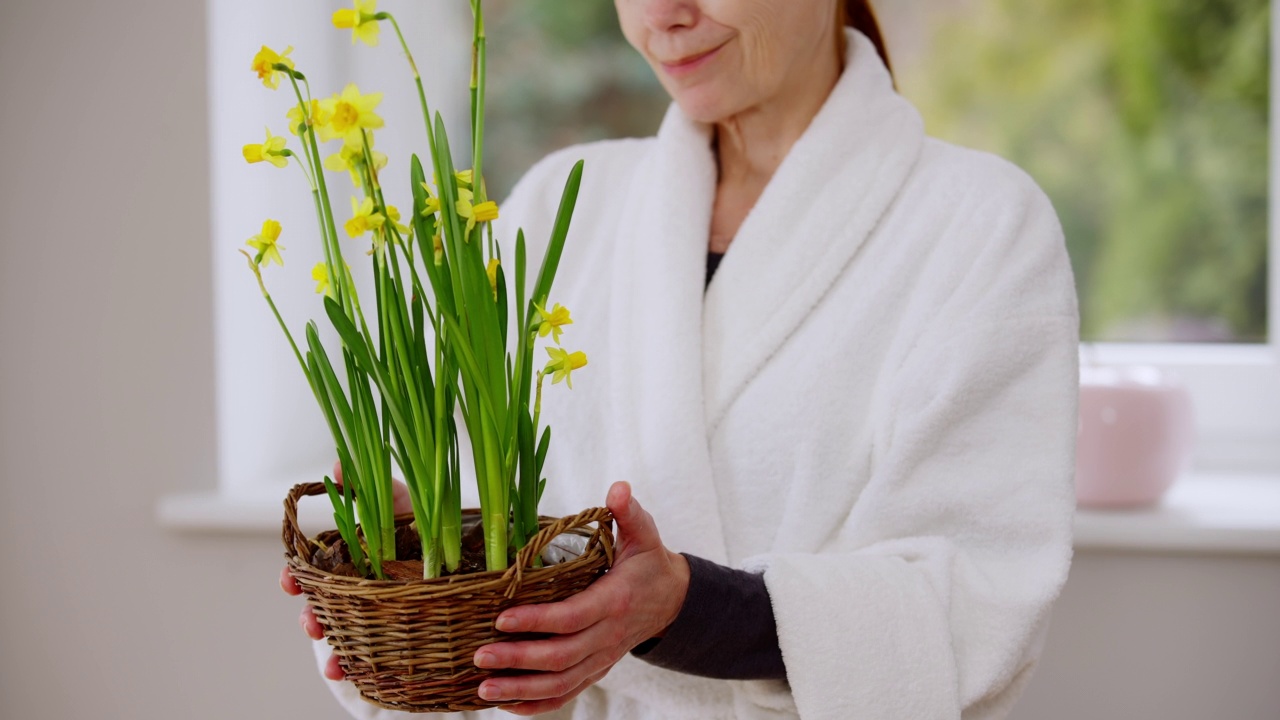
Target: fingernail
(484, 659)
(490, 692)
(507, 624)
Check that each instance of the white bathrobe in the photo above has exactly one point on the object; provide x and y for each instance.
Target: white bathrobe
(874, 404)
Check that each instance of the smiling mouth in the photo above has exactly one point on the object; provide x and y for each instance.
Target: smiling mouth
(689, 61)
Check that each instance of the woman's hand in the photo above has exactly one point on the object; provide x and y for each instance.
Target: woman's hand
(636, 600)
(307, 619)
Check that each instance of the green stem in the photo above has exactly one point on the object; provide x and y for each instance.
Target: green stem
(333, 253)
(478, 72)
(310, 182)
(417, 78)
(498, 510)
(288, 335)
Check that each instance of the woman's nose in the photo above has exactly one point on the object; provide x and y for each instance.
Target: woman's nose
(668, 15)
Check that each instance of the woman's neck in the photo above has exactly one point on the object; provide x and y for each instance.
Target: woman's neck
(750, 146)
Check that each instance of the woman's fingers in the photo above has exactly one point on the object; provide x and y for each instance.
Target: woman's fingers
(333, 669)
(555, 654)
(544, 686)
(538, 707)
(400, 498)
(399, 491)
(637, 531)
(288, 584)
(309, 624)
(562, 618)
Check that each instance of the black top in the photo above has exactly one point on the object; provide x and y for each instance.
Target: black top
(713, 262)
(725, 628)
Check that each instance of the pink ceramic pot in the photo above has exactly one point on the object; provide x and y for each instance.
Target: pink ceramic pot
(1135, 435)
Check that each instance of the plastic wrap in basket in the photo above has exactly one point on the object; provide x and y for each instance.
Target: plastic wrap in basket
(409, 644)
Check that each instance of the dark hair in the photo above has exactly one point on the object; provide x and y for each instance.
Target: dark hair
(859, 15)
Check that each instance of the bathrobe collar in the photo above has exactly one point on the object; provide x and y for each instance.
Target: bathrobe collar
(681, 358)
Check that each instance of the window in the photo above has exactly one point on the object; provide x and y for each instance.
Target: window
(1150, 124)
(1146, 121)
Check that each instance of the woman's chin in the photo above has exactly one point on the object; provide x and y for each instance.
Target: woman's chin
(706, 104)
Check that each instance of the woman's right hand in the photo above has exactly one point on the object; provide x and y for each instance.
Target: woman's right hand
(307, 619)
(310, 625)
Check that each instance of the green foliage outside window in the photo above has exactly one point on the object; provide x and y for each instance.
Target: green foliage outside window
(563, 74)
(1146, 121)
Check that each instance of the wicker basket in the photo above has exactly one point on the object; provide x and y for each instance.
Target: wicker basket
(409, 644)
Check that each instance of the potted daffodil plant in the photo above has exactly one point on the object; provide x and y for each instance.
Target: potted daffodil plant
(440, 349)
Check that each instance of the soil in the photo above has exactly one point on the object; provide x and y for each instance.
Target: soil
(408, 566)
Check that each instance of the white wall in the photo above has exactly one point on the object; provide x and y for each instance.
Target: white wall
(106, 387)
(106, 403)
(1162, 637)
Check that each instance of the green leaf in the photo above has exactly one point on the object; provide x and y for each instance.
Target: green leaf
(359, 349)
(467, 359)
(560, 231)
(528, 488)
(522, 312)
(543, 444)
(501, 287)
(425, 230)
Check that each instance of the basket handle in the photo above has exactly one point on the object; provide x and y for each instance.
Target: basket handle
(603, 534)
(294, 541)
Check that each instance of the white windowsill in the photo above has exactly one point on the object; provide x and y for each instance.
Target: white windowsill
(1237, 514)
(1200, 514)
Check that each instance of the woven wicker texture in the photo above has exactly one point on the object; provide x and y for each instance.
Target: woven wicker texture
(408, 644)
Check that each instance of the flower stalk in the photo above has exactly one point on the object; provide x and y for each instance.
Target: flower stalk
(436, 363)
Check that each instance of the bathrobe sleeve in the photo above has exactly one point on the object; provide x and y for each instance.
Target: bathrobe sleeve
(931, 600)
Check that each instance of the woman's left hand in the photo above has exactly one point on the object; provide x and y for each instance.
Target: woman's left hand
(636, 600)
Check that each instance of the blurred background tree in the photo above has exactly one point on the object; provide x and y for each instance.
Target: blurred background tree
(560, 72)
(1146, 121)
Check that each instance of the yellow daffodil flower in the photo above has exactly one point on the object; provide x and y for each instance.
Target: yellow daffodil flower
(462, 176)
(265, 244)
(492, 271)
(432, 204)
(320, 273)
(550, 323)
(484, 212)
(562, 363)
(271, 151)
(362, 20)
(316, 116)
(264, 65)
(393, 214)
(363, 218)
(348, 114)
(351, 159)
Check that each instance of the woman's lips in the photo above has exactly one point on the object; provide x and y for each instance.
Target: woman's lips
(690, 63)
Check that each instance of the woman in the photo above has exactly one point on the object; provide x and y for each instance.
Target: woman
(861, 431)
